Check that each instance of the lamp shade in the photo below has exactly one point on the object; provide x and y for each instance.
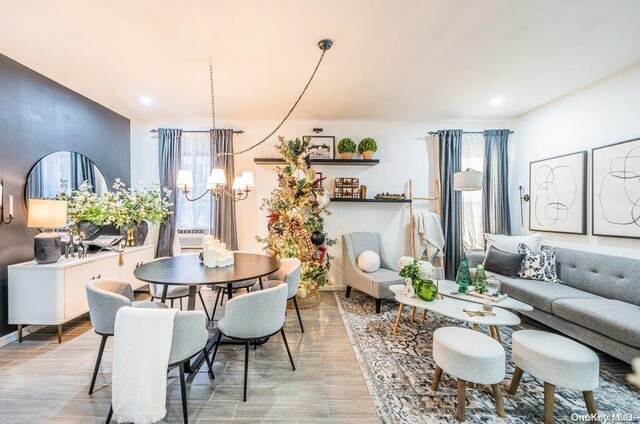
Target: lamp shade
(185, 179)
(468, 180)
(239, 183)
(247, 177)
(47, 213)
(216, 178)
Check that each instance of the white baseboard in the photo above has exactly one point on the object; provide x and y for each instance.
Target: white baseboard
(12, 337)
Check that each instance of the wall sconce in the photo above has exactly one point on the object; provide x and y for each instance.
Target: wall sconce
(216, 183)
(2, 203)
(523, 198)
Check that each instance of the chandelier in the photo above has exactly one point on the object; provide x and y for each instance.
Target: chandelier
(242, 184)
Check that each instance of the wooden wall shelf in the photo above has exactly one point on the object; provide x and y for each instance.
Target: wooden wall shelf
(371, 200)
(332, 162)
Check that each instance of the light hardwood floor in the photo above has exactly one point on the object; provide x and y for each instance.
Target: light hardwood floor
(42, 381)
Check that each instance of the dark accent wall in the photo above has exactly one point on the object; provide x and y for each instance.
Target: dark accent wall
(39, 116)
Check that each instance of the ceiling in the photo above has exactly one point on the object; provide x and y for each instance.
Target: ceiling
(413, 60)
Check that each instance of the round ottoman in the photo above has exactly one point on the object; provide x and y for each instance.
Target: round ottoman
(469, 356)
(557, 361)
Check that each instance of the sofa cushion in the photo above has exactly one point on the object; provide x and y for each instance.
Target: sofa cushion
(612, 318)
(539, 294)
(501, 262)
(510, 243)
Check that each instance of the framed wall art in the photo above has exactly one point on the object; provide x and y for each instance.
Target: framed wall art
(558, 189)
(320, 146)
(616, 189)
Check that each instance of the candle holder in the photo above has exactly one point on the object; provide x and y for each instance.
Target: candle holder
(4, 220)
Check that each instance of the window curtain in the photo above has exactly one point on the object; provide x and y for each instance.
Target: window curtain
(450, 144)
(82, 169)
(223, 216)
(169, 143)
(495, 190)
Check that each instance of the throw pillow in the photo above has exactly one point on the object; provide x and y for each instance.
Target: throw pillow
(511, 243)
(505, 263)
(369, 261)
(538, 265)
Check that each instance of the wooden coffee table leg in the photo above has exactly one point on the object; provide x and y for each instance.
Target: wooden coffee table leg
(395, 326)
(549, 394)
(492, 332)
(496, 330)
(413, 313)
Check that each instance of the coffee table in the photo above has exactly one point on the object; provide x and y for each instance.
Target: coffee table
(449, 288)
(452, 307)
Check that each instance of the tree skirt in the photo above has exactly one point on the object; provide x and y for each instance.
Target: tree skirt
(399, 368)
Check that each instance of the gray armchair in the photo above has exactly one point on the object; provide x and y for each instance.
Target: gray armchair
(376, 283)
(105, 298)
(189, 338)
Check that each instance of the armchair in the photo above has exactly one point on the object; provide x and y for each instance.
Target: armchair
(375, 283)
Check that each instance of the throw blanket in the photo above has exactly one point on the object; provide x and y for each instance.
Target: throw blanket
(140, 359)
(429, 235)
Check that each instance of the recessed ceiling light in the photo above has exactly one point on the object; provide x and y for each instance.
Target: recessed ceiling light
(496, 101)
(147, 101)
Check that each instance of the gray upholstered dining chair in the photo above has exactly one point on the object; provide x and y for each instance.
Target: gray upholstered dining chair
(289, 273)
(105, 297)
(189, 339)
(173, 292)
(375, 283)
(253, 317)
(224, 289)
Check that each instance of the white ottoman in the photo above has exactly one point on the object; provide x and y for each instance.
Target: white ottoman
(469, 356)
(557, 361)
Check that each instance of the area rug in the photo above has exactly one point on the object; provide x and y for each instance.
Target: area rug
(399, 368)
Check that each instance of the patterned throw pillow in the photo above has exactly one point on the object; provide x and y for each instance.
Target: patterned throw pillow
(538, 265)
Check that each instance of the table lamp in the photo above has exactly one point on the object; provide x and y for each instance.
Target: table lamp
(47, 214)
(468, 180)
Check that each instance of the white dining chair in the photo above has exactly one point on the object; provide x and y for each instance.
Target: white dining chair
(253, 317)
(289, 273)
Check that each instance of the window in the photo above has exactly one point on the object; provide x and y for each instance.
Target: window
(472, 221)
(196, 156)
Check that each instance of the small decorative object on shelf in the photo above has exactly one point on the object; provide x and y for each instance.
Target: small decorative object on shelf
(463, 278)
(320, 146)
(346, 188)
(215, 253)
(367, 148)
(346, 148)
(420, 274)
(363, 191)
(390, 196)
(480, 279)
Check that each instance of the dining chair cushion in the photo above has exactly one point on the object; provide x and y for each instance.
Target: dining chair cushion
(189, 335)
(256, 314)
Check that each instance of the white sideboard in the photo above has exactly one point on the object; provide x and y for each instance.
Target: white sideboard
(53, 294)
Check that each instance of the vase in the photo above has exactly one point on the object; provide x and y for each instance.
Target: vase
(87, 229)
(345, 155)
(368, 155)
(136, 234)
(425, 289)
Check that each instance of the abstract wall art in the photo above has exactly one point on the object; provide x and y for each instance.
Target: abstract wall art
(558, 188)
(616, 189)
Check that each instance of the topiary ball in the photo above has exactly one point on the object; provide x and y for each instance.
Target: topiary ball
(369, 261)
(317, 238)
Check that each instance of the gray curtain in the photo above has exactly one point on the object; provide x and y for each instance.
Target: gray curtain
(169, 141)
(495, 189)
(223, 213)
(82, 170)
(450, 143)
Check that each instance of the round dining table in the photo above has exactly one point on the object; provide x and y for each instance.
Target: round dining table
(188, 270)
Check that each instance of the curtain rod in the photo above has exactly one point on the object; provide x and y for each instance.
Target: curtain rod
(201, 131)
(464, 132)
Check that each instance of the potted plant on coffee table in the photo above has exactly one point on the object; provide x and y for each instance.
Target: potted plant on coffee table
(367, 147)
(346, 148)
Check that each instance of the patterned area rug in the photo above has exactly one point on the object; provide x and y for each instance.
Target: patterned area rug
(399, 368)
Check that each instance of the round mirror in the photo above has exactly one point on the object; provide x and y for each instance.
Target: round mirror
(62, 172)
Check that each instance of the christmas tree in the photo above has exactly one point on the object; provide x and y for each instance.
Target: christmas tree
(296, 224)
(463, 278)
(480, 279)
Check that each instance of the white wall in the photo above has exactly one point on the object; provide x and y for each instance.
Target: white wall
(601, 114)
(403, 154)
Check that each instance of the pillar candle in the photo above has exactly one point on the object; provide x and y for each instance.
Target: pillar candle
(210, 256)
(10, 206)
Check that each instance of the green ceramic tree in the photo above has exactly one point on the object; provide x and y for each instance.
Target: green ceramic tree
(463, 278)
(480, 279)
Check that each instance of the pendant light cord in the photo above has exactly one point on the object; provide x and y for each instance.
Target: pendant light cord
(281, 122)
(213, 106)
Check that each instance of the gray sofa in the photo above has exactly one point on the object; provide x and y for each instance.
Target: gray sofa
(598, 302)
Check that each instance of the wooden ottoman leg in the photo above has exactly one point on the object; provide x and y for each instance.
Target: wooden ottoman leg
(395, 326)
(497, 394)
(549, 394)
(462, 391)
(590, 401)
(515, 381)
(436, 378)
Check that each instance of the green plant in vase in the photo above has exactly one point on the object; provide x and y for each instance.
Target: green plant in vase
(420, 273)
(367, 147)
(463, 278)
(346, 148)
(480, 279)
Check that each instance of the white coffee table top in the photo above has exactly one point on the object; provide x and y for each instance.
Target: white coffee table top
(449, 288)
(454, 308)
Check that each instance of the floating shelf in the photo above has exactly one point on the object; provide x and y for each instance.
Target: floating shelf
(371, 200)
(350, 162)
